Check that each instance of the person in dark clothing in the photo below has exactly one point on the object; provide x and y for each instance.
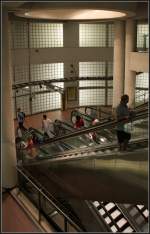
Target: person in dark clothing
(21, 118)
(79, 122)
(123, 117)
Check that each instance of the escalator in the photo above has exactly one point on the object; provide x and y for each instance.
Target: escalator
(79, 139)
(98, 187)
(81, 187)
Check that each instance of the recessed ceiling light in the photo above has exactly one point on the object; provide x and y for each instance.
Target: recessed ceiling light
(73, 14)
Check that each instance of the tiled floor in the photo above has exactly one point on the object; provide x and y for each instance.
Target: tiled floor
(35, 121)
(14, 219)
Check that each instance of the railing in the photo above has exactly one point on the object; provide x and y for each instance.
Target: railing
(98, 112)
(41, 200)
(142, 97)
(50, 150)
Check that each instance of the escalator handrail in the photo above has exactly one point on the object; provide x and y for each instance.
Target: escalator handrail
(74, 152)
(109, 124)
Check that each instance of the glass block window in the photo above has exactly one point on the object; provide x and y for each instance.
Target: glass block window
(92, 83)
(44, 35)
(46, 101)
(23, 103)
(91, 97)
(47, 71)
(19, 31)
(142, 80)
(21, 74)
(110, 69)
(142, 37)
(92, 35)
(110, 83)
(110, 35)
(92, 69)
(109, 96)
(141, 95)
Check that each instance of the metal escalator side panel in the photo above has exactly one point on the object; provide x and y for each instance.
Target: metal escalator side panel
(112, 177)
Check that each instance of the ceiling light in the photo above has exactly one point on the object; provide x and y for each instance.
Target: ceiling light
(26, 14)
(72, 14)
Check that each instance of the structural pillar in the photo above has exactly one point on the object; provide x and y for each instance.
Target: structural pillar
(71, 66)
(9, 175)
(130, 76)
(119, 53)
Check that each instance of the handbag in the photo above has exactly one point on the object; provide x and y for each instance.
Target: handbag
(128, 127)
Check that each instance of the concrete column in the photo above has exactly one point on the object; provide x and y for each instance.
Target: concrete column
(71, 40)
(9, 175)
(130, 76)
(118, 76)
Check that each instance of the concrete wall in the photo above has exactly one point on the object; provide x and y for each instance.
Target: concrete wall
(53, 55)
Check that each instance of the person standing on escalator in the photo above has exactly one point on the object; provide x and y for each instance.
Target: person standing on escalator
(21, 119)
(123, 114)
(79, 122)
(47, 127)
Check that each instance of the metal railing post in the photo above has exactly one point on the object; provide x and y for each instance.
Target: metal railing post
(65, 224)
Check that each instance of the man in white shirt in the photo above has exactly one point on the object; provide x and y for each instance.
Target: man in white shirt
(47, 126)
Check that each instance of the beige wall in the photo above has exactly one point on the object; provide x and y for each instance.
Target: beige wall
(139, 62)
(53, 55)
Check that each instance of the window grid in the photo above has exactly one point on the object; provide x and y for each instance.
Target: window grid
(44, 35)
(142, 80)
(40, 35)
(95, 69)
(109, 96)
(142, 36)
(39, 72)
(19, 30)
(109, 68)
(47, 71)
(23, 103)
(92, 69)
(91, 97)
(21, 74)
(141, 95)
(92, 35)
(110, 35)
(46, 101)
(90, 83)
(110, 83)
